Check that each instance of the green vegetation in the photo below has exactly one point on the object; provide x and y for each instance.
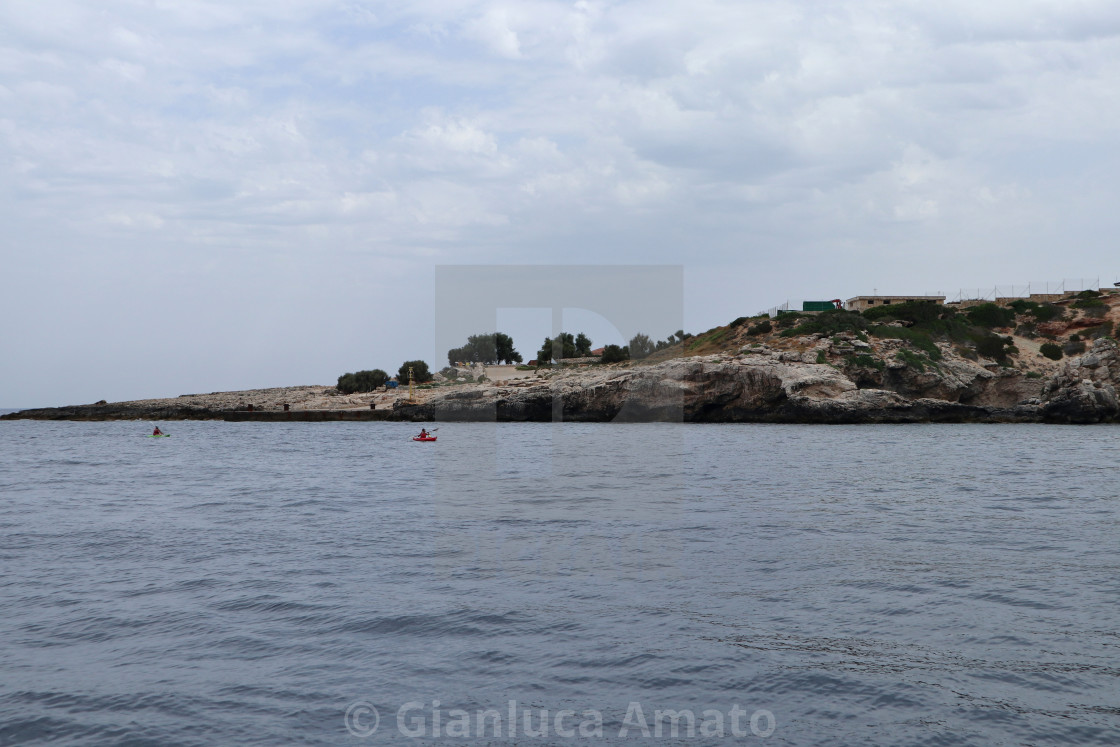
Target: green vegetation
(991, 315)
(919, 338)
(821, 357)
(913, 360)
(491, 348)
(864, 361)
(583, 346)
(712, 336)
(787, 319)
(362, 381)
(1092, 307)
(641, 346)
(1042, 312)
(917, 312)
(929, 323)
(1034, 375)
(827, 323)
(420, 372)
(762, 328)
(1103, 330)
(1051, 351)
(563, 346)
(615, 354)
(673, 339)
(1074, 347)
(995, 347)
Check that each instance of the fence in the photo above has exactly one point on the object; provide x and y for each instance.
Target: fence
(1044, 288)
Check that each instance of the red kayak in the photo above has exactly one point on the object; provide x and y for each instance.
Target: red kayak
(426, 438)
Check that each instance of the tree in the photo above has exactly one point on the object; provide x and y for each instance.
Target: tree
(420, 372)
(490, 348)
(583, 345)
(503, 345)
(564, 346)
(362, 381)
(615, 354)
(641, 346)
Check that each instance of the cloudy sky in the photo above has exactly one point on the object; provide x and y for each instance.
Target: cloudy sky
(209, 195)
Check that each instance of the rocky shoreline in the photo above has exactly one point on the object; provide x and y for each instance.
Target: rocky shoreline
(761, 383)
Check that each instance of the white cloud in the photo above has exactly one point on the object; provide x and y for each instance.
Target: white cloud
(492, 131)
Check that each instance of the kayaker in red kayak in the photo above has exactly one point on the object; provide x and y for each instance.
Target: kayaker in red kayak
(423, 433)
(157, 432)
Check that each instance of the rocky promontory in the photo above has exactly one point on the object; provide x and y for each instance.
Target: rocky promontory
(893, 372)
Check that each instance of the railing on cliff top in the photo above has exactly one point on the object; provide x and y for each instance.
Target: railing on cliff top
(1047, 288)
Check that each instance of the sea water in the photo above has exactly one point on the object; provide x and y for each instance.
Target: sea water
(340, 584)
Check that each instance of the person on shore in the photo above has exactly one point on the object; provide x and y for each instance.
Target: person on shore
(157, 432)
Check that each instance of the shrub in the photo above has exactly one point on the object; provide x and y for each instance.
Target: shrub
(615, 354)
(740, 321)
(1104, 330)
(1074, 347)
(821, 357)
(420, 372)
(1051, 351)
(1094, 308)
(916, 337)
(362, 381)
(1034, 375)
(829, 323)
(786, 319)
(762, 328)
(863, 360)
(912, 311)
(991, 315)
(912, 359)
(1048, 312)
(994, 347)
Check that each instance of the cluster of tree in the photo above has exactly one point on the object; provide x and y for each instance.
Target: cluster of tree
(564, 345)
(615, 354)
(362, 381)
(491, 348)
(641, 346)
(368, 381)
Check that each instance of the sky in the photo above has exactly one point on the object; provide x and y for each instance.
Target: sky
(199, 195)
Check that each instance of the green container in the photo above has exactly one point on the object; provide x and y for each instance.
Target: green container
(817, 306)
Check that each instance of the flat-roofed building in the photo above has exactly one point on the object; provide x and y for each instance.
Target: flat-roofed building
(862, 303)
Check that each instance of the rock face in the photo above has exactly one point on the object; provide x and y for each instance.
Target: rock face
(723, 389)
(757, 385)
(1084, 389)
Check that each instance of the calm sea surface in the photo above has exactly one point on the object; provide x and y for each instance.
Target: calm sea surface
(264, 584)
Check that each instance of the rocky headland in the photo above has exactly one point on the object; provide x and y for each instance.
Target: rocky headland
(749, 371)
